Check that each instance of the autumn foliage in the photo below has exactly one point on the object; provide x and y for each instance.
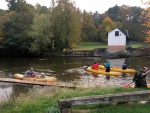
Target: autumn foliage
(146, 15)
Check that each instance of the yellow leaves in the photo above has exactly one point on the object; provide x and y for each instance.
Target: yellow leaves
(64, 50)
(108, 28)
(73, 45)
(107, 25)
(147, 40)
(148, 33)
(147, 24)
(146, 15)
(107, 19)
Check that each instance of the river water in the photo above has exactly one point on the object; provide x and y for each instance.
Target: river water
(65, 69)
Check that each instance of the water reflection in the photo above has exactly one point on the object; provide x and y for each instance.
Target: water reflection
(17, 89)
(12, 91)
(5, 91)
(117, 62)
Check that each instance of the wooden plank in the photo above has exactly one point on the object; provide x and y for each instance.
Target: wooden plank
(10, 80)
(126, 96)
(57, 84)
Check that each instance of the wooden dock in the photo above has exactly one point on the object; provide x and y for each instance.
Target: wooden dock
(57, 84)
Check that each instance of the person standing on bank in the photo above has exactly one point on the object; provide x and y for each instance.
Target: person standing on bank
(107, 66)
(30, 73)
(139, 78)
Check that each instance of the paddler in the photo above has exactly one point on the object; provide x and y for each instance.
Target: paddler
(30, 73)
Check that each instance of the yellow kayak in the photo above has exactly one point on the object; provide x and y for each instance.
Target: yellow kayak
(37, 79)
(111, 73)
(117, 69)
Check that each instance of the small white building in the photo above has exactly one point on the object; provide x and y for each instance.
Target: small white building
(116, 40)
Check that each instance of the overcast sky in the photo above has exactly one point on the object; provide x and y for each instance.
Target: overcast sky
(89, 5)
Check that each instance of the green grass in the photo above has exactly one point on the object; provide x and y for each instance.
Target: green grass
(135, 108)
(93, 45)
(45, 100)
(136, 45)
(139, 44)
(89, 46)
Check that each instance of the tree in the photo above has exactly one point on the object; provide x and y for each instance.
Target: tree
(3, 25)
(41, 9)
(106, 26)
(41, 33)
(130, 18)
(15, 27)
(88, 29)
(146, 16)
(2, 12)
(96, 18)
(66, 24)
(16, 5)
(113, 13)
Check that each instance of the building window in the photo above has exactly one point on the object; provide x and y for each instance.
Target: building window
(116, 33)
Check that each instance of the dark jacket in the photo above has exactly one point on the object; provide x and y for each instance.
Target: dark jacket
(107, 66)
(139, 79)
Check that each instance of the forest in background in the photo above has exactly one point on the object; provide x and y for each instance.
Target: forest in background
(27, 30)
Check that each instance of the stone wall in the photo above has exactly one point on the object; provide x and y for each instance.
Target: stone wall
(104, 53)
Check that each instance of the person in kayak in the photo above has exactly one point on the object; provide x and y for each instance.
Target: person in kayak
(95, 66)
(30, 73)
(139, 78)
(124, 66)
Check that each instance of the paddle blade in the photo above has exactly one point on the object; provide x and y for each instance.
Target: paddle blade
(127, 85)
(85, 67)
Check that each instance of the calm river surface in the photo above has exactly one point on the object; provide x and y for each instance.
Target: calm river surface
(65, 69)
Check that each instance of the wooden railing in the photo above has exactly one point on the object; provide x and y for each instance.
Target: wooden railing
(66, 104)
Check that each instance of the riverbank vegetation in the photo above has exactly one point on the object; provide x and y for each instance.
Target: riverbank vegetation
(63, 26)
(44, 100)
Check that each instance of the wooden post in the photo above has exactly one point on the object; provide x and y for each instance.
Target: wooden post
(66, 110)
(64, 106)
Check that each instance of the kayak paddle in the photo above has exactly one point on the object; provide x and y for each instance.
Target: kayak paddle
(127, 85)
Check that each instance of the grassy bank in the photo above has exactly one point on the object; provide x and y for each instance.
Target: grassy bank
(93, 45)
(89, 46)
(45, 100)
